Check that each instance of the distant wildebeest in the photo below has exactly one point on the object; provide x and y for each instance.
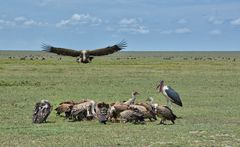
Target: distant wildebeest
(23, 58)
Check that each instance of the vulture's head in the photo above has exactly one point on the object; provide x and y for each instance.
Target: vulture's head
(135, 93)
(84, 57)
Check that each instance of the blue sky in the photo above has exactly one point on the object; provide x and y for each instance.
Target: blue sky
(164, 25)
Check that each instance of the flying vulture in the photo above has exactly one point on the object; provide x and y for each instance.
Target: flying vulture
(85, 56)
(170, 94)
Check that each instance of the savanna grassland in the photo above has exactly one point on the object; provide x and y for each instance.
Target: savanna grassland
(208, 83)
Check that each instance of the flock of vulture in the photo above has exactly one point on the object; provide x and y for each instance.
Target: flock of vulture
(126, 111)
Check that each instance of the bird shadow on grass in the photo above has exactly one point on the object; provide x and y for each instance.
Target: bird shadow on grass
(159, 124)
(49, 122)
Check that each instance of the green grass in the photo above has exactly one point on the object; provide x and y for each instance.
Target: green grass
(208, 83)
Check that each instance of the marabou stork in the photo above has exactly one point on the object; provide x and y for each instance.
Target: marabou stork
(171, 95)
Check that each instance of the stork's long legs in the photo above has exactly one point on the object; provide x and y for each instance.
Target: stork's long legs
(169, 103)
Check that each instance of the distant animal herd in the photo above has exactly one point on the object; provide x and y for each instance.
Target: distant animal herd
(125, 111)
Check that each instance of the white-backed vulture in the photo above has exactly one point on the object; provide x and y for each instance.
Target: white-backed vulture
(149, 112)
(132, 115)
(41, 111)
(117, 108)
(142, 108)
(84, 109)
(85, 56)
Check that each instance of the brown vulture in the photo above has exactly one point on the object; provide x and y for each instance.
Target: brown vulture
(85, 56)
(165, 113)
(132, 115)
(65, 107)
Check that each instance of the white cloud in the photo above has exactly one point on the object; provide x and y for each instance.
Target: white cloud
(6, 23)
(77, 19)
(167, 32)
(20, 18)
(132, 25)
(131, 21)
(18, 22)
(177, 31)
(182, 21)
(235, 22)
(23, 21)
(215, 32)
(183, 30)
(215, 20)
(29, 22)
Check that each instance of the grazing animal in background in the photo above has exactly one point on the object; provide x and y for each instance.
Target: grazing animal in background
(83, 110)
(165, 113)
(85, 56)
(132, 115)
(23, 58)
(171, 95)
(65, 107)
(41, 111)
(102, 112)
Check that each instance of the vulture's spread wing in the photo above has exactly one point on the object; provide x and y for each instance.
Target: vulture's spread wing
(108, 50)
(61, 51)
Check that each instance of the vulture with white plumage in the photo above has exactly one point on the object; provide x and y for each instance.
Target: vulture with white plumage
(85, 56)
